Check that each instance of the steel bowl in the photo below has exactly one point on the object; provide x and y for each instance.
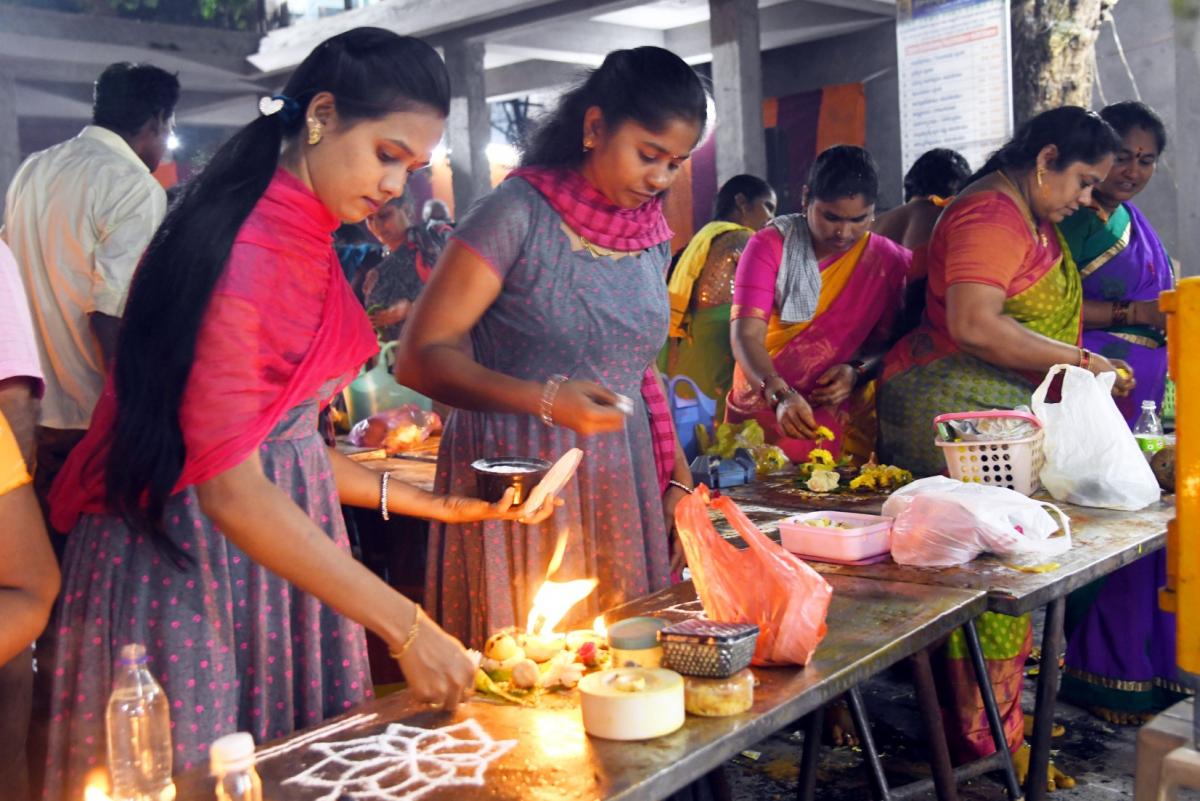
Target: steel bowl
(495, 475)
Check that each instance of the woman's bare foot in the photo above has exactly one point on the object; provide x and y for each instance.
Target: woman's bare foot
(1057, 730)
(1055, 778)
(1118, 717)
(839, 725)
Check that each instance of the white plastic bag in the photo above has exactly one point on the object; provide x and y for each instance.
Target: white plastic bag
(941, 522)
(1092, 458)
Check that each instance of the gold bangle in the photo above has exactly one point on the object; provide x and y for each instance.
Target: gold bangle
(412, 636)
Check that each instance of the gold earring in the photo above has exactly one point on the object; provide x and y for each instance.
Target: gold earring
(314, 132)
(588, 145)
(1040, 173)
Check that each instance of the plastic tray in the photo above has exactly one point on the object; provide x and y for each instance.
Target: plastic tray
(868, 536)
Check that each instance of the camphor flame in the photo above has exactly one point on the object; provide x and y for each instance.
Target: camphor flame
(554, 599)
(95, 792)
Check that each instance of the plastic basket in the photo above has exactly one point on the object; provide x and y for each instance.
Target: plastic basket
(1015, 463)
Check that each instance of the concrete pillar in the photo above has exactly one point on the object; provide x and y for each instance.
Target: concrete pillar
(10, 140)
(469, 126)
(737, 86)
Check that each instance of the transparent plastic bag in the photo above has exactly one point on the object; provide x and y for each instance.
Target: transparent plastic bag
(763, 584)
(396, 430)
(1092, 458)
(939, 522)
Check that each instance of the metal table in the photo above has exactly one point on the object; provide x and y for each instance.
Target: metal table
(1102, 541)
(872, 625)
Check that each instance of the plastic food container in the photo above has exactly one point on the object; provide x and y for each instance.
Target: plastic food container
(494, 476)
(1012, 463)
(634, 642)
(856, 537)
(708, 647)
(631, 703)
(717, 698)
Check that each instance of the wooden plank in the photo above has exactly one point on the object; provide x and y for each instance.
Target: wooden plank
(872, 625)
(1103, 540)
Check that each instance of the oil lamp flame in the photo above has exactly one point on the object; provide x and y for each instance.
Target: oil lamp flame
(95, 793)
(554, 599)
(599, 627)
(552, 602)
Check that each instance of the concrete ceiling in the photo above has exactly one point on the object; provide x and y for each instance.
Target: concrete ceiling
(531, 46)
(535, 45)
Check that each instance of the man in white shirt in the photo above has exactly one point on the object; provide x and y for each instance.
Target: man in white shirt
(78, 217)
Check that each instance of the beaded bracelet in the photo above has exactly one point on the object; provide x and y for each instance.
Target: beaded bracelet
(383, 485)
(412, 635)
(549, 393)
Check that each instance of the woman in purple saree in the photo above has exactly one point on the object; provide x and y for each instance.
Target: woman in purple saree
(1121, 646)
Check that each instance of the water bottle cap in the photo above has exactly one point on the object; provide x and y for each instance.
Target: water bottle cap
(133, 654)
(1148, 405)
(231, 752)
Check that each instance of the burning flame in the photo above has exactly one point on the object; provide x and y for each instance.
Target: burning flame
(96, 790)
(599, 627)
(554, 599)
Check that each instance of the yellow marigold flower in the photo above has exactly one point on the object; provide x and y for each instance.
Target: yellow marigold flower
(821, 456)
(823, 433)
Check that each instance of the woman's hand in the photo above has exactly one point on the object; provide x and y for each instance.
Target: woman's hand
(1146, 312)
(473, 510)
(670, 500)
(795, 417)
(392, 315)
(1125, 382)
(436, 666)
(834, 385)
(587, 408)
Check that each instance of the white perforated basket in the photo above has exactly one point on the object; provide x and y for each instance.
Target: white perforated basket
(1015, 464)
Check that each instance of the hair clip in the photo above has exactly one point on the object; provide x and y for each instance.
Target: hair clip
(270, 106)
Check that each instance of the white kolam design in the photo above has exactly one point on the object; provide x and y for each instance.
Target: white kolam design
(404, 763)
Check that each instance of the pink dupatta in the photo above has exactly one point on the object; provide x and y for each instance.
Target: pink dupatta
(281, 324)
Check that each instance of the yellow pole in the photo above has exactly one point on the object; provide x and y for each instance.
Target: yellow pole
(1182, 593)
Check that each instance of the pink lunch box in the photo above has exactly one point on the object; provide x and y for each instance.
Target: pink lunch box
(867, 536)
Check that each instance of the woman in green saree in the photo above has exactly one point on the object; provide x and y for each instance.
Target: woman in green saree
(701, 288)
(1003, 305)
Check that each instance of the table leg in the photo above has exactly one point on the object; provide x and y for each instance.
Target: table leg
(931, 717)
(811, 754)
(1047, 694)
(993, 712)
(874, 767)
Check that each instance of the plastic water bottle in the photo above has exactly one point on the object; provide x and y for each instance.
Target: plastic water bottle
(139, 732)
(1148, 430)
(231, 759)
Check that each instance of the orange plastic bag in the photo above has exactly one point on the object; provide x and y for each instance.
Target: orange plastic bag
(763, 584)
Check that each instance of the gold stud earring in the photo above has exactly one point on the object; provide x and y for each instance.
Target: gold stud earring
(588, 145)
(314, 132)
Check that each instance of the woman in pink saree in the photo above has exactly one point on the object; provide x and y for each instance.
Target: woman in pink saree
(814, 301)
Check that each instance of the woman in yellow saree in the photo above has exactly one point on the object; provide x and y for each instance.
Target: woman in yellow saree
(1003, 305)
(814, 300)
(701, 288)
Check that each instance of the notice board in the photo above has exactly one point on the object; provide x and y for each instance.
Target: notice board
(955, 74)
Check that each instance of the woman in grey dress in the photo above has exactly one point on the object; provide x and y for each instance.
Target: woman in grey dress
(557, 278)
(203, 506)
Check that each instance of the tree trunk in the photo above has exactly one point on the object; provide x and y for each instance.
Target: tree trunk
(1054, 53)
